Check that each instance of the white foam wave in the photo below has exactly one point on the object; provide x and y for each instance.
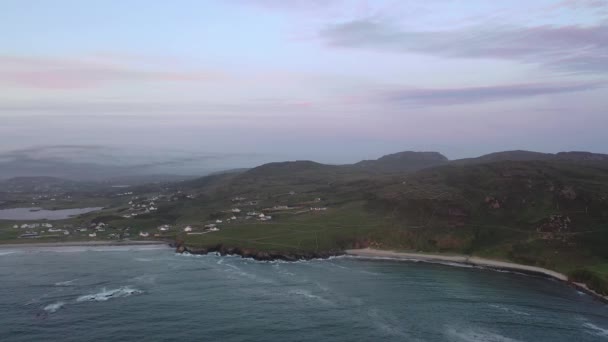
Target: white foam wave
(509, 310)
(66, 283)
(104, 295)
(149, 279)
(54, 307)
(388, 325)
(143, 259)
(238, 271)
(307, 294)
(476, 335)
(594, 329)
(281, 270)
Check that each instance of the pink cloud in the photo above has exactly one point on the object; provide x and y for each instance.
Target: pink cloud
(56, 73)
(583, 3)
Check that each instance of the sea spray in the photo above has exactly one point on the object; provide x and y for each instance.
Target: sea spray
(104, 295)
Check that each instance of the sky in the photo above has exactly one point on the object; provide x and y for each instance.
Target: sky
(241, 82)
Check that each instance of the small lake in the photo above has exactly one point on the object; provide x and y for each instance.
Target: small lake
(20, 214)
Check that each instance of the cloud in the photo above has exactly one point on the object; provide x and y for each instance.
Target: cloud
(597, 4)
(297, 5)
(244, 109)
(575, 49)
(63, 73)
(457, 96)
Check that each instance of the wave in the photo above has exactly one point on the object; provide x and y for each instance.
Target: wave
(105, 295)
(594, 329)
(66, 283)
(509, 310)
(238, 271)
(476, 335)
(307, 294)
(7, 253)
(282, 271)
(388, 325)
(53, 307)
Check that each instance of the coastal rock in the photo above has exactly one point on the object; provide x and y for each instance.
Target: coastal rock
(257, 255)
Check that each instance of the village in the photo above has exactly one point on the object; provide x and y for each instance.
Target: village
(142, 206)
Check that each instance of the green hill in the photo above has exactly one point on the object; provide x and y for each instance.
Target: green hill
(548, 210)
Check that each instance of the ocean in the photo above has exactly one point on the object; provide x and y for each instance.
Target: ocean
(149, 293)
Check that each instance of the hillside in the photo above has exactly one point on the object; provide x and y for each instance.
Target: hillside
(542, 210)
(403, 162)
(520, 155)
(548, 213)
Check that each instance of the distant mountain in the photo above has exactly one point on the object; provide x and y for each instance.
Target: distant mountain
(517, 155)
(45, 185)
(80, 171)
(403, 161)
(287, 168)
(520, 155)
(582, 156)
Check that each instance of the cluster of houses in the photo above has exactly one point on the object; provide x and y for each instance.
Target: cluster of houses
(34, 234)
(67, 229)
(241, 200)
(144, 207)
(33, 225)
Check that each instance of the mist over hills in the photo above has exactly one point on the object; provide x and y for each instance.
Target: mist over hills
(100, 169)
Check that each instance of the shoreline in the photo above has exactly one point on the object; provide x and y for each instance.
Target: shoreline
(369, 253)
(99, 243)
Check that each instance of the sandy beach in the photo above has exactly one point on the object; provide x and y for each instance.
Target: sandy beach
(473, 261)
(462, 259)
(82, 244)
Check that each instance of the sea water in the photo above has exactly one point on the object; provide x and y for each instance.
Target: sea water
(152, 294)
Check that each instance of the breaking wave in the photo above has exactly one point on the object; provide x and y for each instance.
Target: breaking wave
(594, 329)
(104, 295)
(66, 283)
(54, 307)
(307, 294)
(509, 310)
(477, 335)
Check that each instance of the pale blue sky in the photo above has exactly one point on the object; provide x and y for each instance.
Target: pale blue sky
(329, 80)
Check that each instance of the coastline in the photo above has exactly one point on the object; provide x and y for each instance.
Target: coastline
(369, 253)
(99, 243)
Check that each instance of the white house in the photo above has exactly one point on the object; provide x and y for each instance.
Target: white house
(188, 229)
(218, 221)
(93, 234)
(144, 234)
